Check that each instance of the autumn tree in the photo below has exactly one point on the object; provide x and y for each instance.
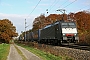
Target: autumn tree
(39, 22)
(83, 23)
(7, 31)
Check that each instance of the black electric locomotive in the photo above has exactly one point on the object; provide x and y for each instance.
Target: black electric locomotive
(59, 32)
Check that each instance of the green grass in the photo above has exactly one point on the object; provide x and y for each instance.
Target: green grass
(44, 55)
(4, 51)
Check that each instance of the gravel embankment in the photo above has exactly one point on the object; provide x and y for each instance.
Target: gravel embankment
(76, 54)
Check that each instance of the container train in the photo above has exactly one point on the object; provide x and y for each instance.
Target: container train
(60, 32)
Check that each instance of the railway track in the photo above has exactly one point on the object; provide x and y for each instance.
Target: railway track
(77, 47)
(74, 46)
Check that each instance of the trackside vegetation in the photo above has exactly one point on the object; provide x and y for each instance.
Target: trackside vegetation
(43, 55)
(4, 51)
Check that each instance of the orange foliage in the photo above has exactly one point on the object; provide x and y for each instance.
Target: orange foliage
(7, 30)
(83, 21)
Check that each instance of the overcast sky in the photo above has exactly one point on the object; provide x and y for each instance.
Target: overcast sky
(19, 10)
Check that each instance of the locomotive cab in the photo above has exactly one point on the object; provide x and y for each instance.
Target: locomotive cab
(69, 32)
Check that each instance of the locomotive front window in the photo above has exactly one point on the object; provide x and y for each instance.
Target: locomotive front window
(64, 25)
(68, 25)
(71, 25)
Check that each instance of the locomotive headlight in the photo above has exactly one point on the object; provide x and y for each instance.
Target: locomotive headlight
(63, 34)
(75, 34)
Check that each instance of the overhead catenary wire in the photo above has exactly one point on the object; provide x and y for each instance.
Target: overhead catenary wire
(34, 8)
(88, 9)
(83, 8)
(66, 5)
(70, 3)
(63, 3)
(51, 6)
(32, 12)
(54, 4)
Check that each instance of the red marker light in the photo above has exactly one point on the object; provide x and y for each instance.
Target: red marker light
(69, 34)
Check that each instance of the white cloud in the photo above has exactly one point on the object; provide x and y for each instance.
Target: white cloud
(87, 2)
(5, 4)
(19, 20)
